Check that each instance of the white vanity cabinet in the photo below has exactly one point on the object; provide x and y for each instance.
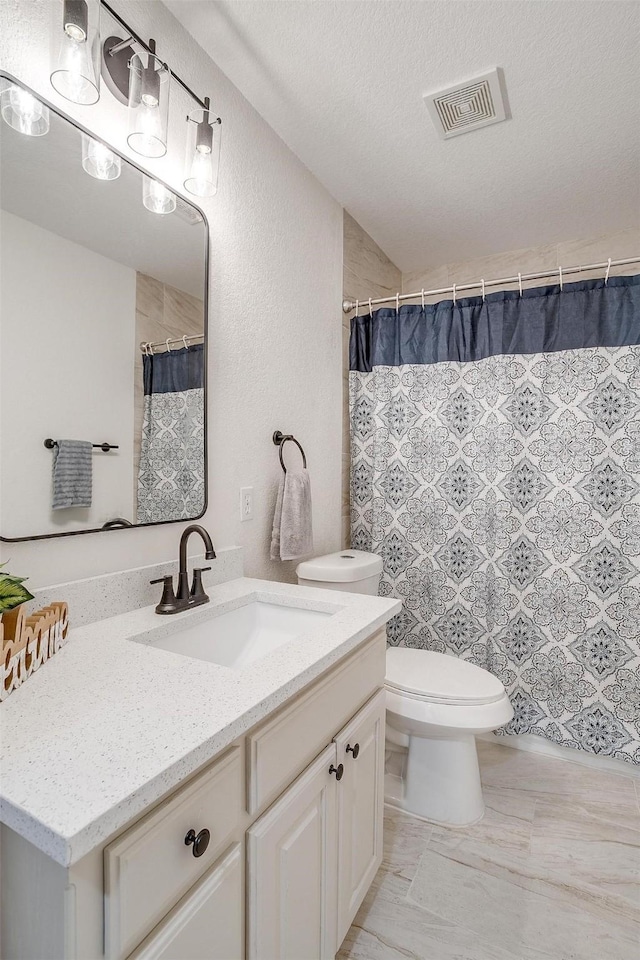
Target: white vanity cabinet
(360, 808)
(292, 813)
(318, 847)
(292, 870)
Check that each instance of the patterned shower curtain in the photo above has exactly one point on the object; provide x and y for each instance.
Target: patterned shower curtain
(171, 474)
(496, 470)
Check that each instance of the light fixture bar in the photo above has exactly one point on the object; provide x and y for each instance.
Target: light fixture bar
(117, 47)
(134, 36)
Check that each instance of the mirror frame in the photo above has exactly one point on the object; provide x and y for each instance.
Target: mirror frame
(156, 523)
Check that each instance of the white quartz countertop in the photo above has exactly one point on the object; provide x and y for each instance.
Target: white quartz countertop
(108, 725)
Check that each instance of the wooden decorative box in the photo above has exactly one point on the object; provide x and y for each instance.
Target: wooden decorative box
(26, 642)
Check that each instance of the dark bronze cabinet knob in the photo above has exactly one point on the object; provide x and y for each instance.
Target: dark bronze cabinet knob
(355, 750)
(339, 770)
(200, 841)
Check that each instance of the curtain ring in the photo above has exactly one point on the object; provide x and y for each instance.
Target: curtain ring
(151, 353)
(167, 343)
(560, 273)
(357, 306)
(454, 294)
(184, 340)
(606, 276)
(483, 296)
(370, 308)
(520, 283)
(423, 298)
(397, 304)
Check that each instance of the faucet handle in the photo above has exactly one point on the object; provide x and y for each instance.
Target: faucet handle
(197, 590)
(168, 601)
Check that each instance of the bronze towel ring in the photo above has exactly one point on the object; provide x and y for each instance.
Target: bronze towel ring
(280, 438)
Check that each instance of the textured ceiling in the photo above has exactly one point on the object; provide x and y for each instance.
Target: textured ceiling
(342, 84)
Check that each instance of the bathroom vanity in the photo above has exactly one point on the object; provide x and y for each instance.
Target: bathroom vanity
(179, 808)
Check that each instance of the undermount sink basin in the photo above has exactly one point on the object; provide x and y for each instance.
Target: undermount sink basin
(238, 637)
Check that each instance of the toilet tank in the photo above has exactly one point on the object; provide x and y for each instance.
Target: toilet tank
(353, 571)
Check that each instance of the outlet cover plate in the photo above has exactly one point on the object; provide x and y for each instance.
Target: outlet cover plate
(246, 503)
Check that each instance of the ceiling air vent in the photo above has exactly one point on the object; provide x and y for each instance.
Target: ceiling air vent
(467, 106)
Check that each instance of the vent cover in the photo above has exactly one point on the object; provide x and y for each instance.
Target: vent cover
(467, 106)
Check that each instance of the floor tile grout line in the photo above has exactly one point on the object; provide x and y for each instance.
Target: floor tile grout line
(554, 882)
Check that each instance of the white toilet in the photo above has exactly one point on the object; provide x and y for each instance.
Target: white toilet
(436, 704)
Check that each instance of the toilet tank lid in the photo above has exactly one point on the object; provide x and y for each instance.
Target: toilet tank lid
(440, 677)
(346, 566)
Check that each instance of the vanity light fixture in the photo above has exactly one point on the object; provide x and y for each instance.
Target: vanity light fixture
(148, 103)
(137, 77)
(22, 111)
(203, 152)
(156, 197)
(76, 75)
(98, 161)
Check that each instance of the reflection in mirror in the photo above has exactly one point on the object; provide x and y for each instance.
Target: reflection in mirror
(102, 339)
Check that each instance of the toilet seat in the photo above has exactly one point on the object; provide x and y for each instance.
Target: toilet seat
(439, 678)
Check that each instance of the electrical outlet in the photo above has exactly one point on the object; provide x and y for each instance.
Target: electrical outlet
(246, 503)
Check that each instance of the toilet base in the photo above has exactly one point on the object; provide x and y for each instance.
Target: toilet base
(441, 782)
(398, 805)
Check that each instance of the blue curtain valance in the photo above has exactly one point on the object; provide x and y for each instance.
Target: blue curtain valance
(174, 371)
(542, 320)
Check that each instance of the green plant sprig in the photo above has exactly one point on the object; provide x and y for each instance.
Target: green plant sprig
(12, 593)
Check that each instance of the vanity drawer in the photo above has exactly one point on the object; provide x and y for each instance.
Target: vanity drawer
(279, 749)
(149, 867)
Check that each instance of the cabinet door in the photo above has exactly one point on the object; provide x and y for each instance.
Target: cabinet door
(360, 807)
(207, 923)
(292, 870)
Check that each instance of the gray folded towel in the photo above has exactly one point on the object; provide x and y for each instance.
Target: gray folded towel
(72, 477)
(292, 534)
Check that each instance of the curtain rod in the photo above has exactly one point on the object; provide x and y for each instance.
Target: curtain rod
(349, 305)
(147, 347)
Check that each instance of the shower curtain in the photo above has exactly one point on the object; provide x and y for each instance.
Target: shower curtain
(171, 474)
(496, 470)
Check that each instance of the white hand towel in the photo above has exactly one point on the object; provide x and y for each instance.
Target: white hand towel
(292, 534)
(277, 522)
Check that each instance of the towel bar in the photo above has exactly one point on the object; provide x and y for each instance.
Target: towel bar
(280, 438)
(105, 447)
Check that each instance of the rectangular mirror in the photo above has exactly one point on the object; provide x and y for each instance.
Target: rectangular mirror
(103, 322)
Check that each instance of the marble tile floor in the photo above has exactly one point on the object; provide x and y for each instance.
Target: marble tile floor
(552, 872)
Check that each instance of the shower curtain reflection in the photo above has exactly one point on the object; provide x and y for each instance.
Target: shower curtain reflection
(171, 474)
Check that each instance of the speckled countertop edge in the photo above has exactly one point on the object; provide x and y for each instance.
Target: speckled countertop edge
(109, 725)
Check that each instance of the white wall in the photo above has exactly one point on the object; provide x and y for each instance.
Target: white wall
(69, 314)
(275, 294)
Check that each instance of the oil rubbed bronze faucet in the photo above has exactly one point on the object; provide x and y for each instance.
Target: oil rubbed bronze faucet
(186, 598)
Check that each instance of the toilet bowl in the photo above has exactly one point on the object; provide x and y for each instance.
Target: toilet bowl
(436, 704)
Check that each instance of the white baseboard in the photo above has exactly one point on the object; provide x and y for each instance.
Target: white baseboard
(547, 748)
